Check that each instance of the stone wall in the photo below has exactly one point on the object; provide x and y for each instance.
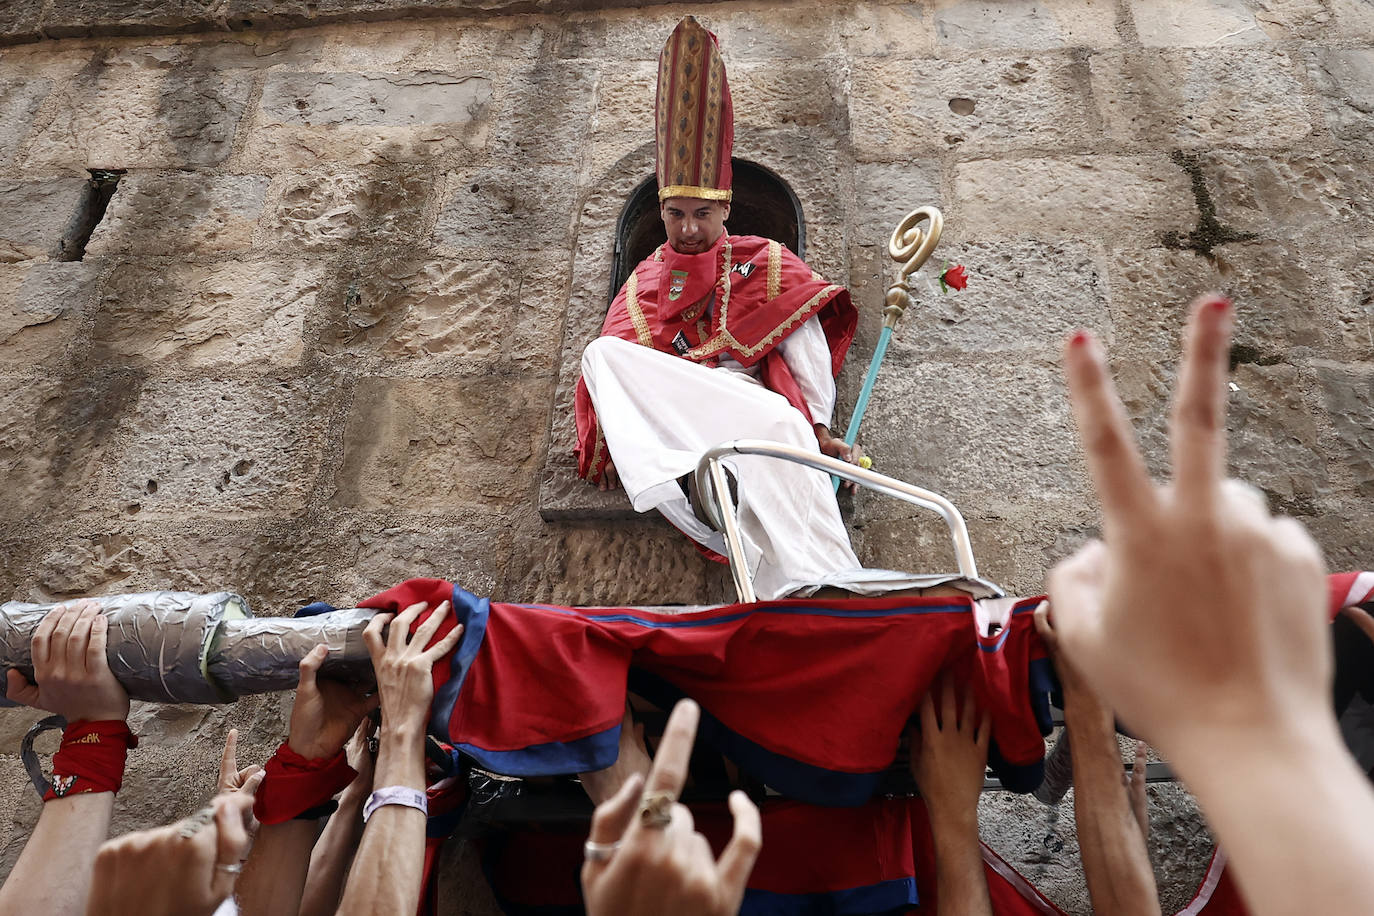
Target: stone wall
(323, 337)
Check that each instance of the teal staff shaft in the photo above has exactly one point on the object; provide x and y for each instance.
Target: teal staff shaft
(861, 405)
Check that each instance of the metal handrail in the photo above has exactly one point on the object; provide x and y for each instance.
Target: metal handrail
(711, 483)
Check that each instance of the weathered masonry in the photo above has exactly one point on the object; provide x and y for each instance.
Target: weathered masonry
(292, 294)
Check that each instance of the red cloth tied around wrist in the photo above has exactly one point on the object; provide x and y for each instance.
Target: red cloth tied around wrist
(91, 758)
(294, 784)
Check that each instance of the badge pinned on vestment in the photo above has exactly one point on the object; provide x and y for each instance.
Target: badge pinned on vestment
(677, 284)
(680, 344)
(744, 270)
(61, 785)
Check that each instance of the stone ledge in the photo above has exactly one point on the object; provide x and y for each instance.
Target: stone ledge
(96, 18)
(563, 496)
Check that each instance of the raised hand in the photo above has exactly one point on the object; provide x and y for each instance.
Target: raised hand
(1200, 616)
(325, 712)
(644, 855)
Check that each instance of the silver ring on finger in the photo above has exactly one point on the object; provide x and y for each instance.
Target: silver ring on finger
(232, 868)
(656, 810)
(599, 852)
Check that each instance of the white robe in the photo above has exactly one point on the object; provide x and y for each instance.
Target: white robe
(659, 413)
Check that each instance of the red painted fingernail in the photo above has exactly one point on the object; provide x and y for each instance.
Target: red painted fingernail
(1079, 338)
(1220, 304)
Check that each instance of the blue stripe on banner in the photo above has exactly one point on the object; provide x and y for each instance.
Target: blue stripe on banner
(594, 752)
(471, 611)
(731, 618)
(894, 896)
(794, 779)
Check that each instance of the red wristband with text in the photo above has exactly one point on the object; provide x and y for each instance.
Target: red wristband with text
(91, 758)
(294, 784)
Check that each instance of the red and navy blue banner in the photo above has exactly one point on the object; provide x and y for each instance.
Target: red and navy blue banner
(810, 697)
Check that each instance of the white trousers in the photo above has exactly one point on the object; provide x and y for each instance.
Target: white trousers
(659, 414)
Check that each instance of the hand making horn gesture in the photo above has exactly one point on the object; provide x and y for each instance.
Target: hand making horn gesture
(1200, 615)
(644, 855)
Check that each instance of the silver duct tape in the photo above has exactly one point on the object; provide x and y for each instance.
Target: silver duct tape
(157, 642)
(263, 654)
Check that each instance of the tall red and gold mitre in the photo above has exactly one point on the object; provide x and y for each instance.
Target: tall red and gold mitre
(693, 116)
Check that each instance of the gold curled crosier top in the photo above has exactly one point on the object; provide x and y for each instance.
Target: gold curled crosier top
(910, 248)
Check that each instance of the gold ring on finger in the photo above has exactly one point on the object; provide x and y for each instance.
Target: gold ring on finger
(656, 810)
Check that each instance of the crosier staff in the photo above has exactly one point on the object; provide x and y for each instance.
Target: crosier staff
(910, 247)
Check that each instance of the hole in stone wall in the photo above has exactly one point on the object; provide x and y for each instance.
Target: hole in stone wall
(763, 205)
(90, 210)
(962, 106)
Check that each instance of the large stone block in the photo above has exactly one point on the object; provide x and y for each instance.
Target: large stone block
(1104, 197)
(540, 109)
(235, 314)
(1274, 289)
(775, 94)
(899, 107)
(990, 435)
(1197, 23)
(636, 562)
(884, 193)
(322, 210)
(885, 29)
(19, 101)
(1347, 392)
(1273, 439)
(1201, 98)
(1213, 23)
(361, 118)
(504, 209)
(74, 18)
(35, 214)
(1347, 308)
(535, 341)
(141, 108)
(56, 435)
(1023, 299)
(475, 552)
(1354, 19)
(976, 24)
(429, 307)
(277, 566)
(41, 306)
(160, 213)
(441, 444)
(1324, 194)
(1345, 79)
(235, 448)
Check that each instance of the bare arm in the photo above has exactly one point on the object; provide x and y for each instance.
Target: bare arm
(333, 853)
(1202, 621)
(53, 874)
(390, 862)
(948, 758)
(1110, 839)
(323, 715)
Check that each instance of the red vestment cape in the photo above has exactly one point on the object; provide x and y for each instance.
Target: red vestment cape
(762, 293)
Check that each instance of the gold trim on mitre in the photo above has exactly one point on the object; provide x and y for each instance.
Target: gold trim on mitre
(687, 190)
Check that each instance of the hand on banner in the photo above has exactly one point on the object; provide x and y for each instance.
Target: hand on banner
(325, 713)
(644, 854)
(949, 757)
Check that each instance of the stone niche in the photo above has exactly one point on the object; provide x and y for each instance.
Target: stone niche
(618, 227)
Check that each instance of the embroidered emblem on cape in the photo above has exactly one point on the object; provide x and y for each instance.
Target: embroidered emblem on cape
(61, 785)
(680, 344)
(745, 269)
(677, 284)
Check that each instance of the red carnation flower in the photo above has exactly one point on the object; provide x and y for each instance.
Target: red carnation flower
(955, 277)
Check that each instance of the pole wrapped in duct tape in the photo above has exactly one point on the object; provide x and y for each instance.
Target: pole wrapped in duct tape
(184, 647)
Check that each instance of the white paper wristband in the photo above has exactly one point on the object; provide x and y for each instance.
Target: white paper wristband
(396, 795)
